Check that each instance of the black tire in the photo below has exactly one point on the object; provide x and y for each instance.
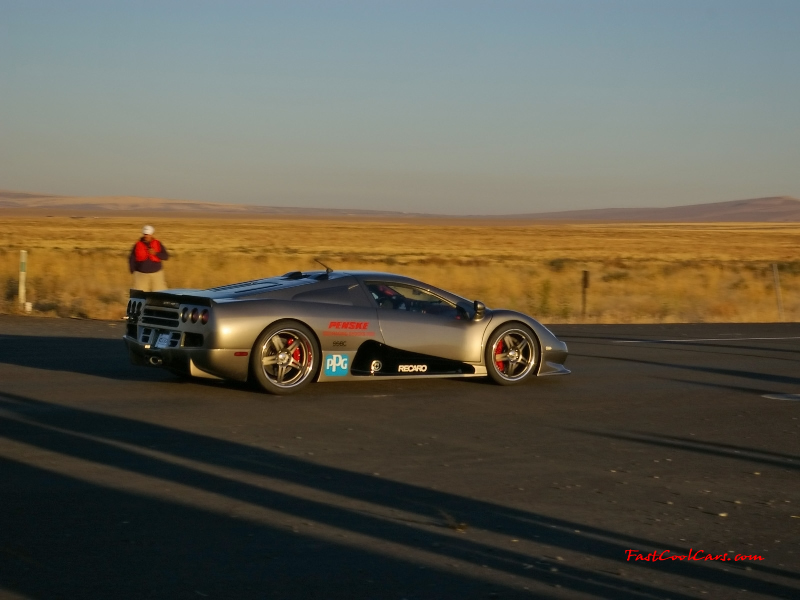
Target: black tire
(285, 358)
(517, 349)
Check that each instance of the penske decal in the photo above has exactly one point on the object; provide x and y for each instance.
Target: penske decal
(348, 325)
(412, 368)
(348, 329)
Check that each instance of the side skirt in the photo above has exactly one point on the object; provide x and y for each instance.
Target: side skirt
(374, 359)
(373, 378)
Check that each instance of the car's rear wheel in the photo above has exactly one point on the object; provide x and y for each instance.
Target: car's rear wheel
(285, 358)
(512, 354)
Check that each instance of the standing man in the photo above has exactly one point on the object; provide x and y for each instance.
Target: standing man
(145, 262)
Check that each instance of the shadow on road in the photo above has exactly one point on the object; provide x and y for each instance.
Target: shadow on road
(759, 391)
(702, 350)
(89, 356)
(767, 377)
(752, 455)
(157, 524)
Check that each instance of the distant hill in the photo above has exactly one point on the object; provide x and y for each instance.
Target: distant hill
(777, 209)
(24, 200)
(774, 209)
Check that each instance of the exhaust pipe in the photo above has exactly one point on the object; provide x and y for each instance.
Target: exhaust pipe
(156, 361)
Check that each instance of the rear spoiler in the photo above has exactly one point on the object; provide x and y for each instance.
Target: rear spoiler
(166, 299)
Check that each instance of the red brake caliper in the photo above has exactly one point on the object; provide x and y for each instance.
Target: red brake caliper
(296, 353)
(498, 348)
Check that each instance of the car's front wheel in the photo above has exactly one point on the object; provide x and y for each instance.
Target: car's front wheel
(512, 354)
(285, 358)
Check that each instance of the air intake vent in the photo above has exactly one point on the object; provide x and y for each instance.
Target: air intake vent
(160, 317)
(244, 286)
(192, 340)
(174, 339)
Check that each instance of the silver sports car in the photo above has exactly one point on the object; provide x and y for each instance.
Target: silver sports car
(285, 332)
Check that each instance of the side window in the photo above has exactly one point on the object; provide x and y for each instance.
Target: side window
(331, 295)
(345, 295)
(392, 296)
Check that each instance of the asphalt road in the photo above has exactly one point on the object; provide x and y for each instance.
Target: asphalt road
(126, 482)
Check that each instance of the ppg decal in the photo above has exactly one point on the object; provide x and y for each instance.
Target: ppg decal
(335, 365)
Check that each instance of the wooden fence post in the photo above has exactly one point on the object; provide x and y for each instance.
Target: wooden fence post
(776, 278)
(23, 267)
(583, 296)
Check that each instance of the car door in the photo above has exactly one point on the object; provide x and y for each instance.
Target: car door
(414, 319)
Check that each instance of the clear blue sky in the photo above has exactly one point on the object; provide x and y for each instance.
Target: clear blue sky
(443, 107)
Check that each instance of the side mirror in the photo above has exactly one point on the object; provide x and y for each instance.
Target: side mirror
(480, 310)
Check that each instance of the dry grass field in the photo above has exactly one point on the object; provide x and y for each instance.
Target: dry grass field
(640, 273)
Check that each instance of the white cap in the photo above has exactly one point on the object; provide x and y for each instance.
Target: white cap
(148, 230)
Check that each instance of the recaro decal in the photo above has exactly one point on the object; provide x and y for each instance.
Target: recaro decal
(336, 365)
(412, 368)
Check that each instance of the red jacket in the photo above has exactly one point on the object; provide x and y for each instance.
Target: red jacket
(144, 262)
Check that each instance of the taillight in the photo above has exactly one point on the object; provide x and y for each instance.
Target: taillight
(204, 317)
(195, 314)
(184, 314)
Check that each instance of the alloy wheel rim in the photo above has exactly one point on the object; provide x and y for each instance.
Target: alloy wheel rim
(287, 358)
(514, 354)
